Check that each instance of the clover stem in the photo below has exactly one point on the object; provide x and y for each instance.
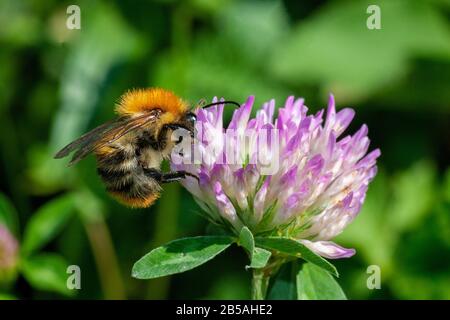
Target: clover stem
(260, 283)
(261, 277)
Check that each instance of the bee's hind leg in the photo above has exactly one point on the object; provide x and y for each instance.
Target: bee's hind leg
(166, 177)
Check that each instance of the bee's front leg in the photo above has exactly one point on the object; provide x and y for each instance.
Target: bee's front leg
(174, 127)
(166, 177)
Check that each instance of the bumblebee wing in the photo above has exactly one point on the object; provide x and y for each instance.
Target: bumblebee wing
(112, 135)
(87, 138)
(105, 134)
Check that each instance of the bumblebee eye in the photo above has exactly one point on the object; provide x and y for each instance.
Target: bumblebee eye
(191, 118)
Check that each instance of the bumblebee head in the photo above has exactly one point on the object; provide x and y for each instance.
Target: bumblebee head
(188, 121)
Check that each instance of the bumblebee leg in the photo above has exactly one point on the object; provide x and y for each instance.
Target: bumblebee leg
(174, 126)
(174, 176)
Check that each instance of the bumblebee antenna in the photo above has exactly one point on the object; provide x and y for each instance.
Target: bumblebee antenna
(222, 102)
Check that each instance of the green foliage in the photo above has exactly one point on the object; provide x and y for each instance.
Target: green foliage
(304, 281)
(46, 223)
(106, 42)
(43, 271)
(335, 46)
(47, 272)
(258, 256)
(8, 214)
(284, 286)
(179, 256)
(57, 83)
(397, 211)
(4, 296)
(294, 248)
(314, 283)
(411, 202)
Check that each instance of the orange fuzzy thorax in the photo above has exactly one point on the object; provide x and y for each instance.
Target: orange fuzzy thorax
(142, 100)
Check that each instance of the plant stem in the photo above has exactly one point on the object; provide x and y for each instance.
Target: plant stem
(105, 258)
(261, 278)
(165, 230)
(260, 283)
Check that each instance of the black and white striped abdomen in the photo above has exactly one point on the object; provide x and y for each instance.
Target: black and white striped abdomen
(124, 177)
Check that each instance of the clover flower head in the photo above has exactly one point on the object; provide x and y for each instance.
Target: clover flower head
(8, 253)
(295, 175)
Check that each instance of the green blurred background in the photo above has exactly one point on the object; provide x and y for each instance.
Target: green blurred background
(56, 83)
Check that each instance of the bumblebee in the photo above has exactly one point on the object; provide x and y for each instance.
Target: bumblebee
(130, 149)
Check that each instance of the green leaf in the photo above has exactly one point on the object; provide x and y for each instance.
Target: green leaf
(113, 41)
(179, 256)
(247, 241)
(210, 69)
(393, 206)
(412, 202)
(446, 185)
(283, 285)
(216, 230)
(88, 206)
(258, 257)
(47, 272)
(240, 19)
(371, 231)
(8, 214)
(334, 44)
(46, 223)
(6, 296)
(294, 248)
(314, 283)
